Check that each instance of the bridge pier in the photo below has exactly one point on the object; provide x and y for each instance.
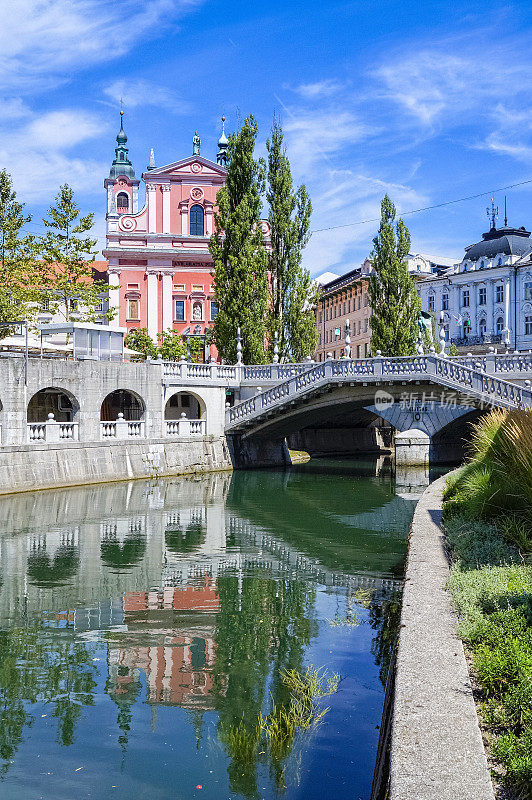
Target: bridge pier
(249, 453)
(412, 448)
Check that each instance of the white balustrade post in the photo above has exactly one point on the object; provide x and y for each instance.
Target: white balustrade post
(52, 429)
(121, 427)
(184, 425)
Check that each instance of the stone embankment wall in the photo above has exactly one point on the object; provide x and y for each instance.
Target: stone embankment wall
(29, 467)
(436, 748)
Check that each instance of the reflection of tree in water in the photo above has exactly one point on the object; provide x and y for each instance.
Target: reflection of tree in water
(263, 626)
(124, 690)
(384, 617)
(120, 555)
(44, 571)
(185, 540)
(41, 665)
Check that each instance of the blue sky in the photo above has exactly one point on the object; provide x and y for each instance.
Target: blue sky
(428, 102)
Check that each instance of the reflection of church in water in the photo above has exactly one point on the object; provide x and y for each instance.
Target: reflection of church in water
(170, 638)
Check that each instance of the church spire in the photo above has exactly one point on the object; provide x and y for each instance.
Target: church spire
(121, 164)
(223, 142)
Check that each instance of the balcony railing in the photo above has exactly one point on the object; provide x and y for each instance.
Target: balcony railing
(52, 431)
(184, 427)
(122, 429)
(464, 341)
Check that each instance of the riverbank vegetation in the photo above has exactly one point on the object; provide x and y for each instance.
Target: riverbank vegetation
(488, 524)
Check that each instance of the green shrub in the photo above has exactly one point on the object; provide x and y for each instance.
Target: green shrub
(515, 752)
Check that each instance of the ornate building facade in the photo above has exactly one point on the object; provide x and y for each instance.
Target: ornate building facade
(486, 299)
(159, 265)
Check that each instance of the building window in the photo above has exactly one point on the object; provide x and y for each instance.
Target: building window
(482, 327)
(122, 201)
(445, 301)
(133, 310)
(197, 287)
(499, 325)
(196, 221)
(482, 265)
(179, 311)
(465, 298)
(482, 296)
(528, 326)
(366, 325)
(467, 327)
(73, 304)
(431, 302)
(499, 294)
(214, 311)
(528, 290)
(179, 287)
(499, 262)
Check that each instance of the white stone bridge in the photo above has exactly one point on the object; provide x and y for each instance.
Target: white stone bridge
(346, 406)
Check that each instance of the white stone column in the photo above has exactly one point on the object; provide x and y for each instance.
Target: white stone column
(473, 301)
(490, 315)
(153, 305)
(151, 191)
(183, 208)
(114, 294)
(135, 199)
(209, 217)
(167, 299)
(166, 207)
(506, 332)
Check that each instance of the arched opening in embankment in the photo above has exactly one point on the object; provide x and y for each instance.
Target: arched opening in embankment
(52, 400)
(125, 402)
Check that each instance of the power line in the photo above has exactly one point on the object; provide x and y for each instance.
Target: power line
(427, 208)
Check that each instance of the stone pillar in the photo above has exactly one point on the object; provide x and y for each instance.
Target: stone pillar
(166, 207)
(167, 299)
(473, 301)
(114, 293)
(506, 331)
(135, 199)
(412, 447)
(153, 305)
(209, 217)
(151, 191)
(490, 315)
(183, 209)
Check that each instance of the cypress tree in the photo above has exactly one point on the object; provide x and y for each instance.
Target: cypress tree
(394, 300)
(293, 294)
(237, 248)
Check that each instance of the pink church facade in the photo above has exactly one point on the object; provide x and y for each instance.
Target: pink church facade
(159, 265)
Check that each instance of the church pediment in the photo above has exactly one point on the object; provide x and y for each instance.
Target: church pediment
(191, 167)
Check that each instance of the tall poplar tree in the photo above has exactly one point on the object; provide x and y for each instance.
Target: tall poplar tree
(68, 281)
(237, 249)
(293, 295)
(18, 285)
(394, 300)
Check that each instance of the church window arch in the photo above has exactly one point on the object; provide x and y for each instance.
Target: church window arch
(499, 325)
(499, 261)
(482, 327)
(122, 201)
(196, 220)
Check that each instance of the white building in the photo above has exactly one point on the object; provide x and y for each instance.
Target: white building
(486, 299)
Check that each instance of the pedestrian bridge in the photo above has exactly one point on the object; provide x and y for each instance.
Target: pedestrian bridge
(427, 398)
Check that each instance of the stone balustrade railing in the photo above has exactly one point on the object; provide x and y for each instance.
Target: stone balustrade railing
(52, 431)
(122, 429)
(448, 372)
(186, 427)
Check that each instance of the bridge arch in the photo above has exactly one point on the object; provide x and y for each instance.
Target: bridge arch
(184, 402)
(53, 400)
(123, 401)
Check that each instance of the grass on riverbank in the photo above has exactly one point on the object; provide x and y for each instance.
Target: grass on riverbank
(489, 532)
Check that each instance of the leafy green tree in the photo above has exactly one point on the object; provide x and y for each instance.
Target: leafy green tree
(68, 282)
(171, 345)
(293, 295)
(238, 252)
(139, 339)
(18, 254)
(393, 297)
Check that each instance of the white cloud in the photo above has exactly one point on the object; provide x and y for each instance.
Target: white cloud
(319, 89)
(38, 154)
(143, 93)
(42, 39)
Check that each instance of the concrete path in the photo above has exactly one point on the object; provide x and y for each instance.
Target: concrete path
(436, 745)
